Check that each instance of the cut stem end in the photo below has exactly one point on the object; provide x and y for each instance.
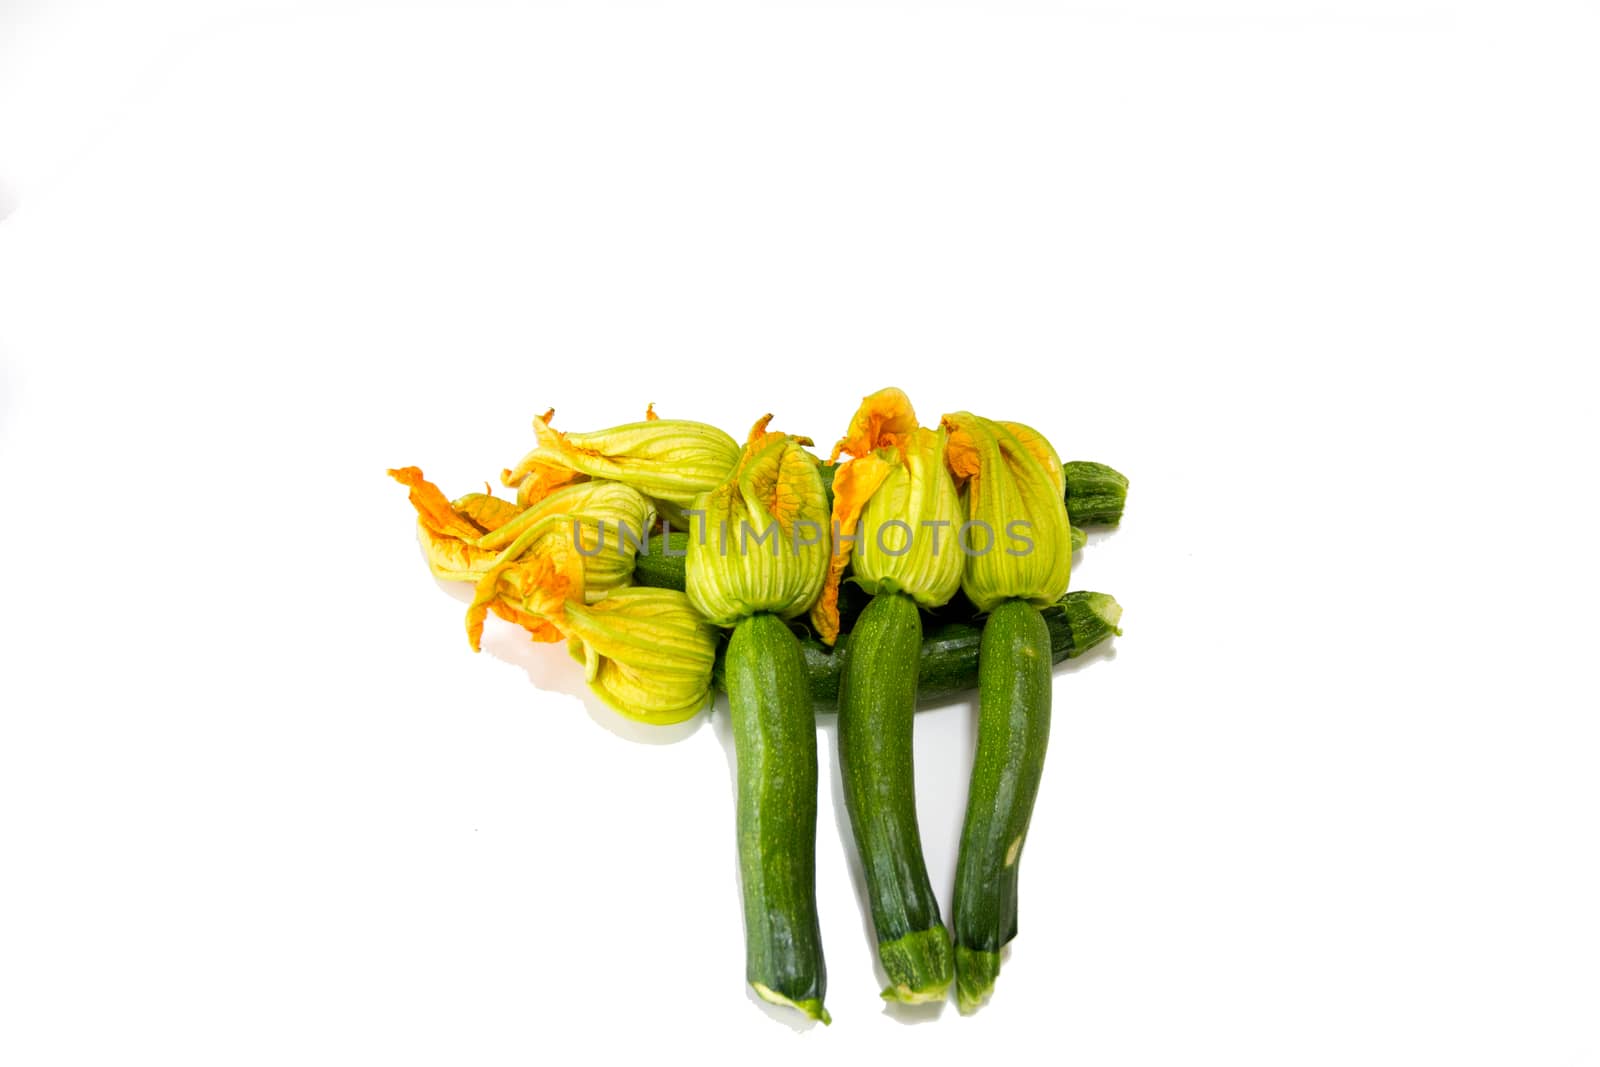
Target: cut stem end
(919, 965)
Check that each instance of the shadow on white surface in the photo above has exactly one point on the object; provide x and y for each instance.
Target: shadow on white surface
(790, 1017)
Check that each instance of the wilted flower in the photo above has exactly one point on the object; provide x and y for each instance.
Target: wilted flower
(608, 522)
(450, 532)
(592, 531)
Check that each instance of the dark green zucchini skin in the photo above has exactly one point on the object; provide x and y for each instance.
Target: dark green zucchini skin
(1013, 731)
(775, 749)
(662, 564)
(877, 702)
(948, 659)
(1096, 493)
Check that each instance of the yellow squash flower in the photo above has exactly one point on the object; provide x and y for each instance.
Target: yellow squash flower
(592, 531)
(1015, 538)
(671, 460)
(607, 521)
(762, 542)
(897, 497)
(646, 652)
(450, 532)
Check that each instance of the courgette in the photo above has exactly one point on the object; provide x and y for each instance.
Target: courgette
(947, 662)
(877, 698)
(662, 562)
(1095, 494)
(1013, 729)
(775, 748)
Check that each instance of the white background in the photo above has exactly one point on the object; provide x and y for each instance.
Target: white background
(1320, 277)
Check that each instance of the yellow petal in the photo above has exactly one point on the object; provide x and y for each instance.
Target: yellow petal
(1010, 494)
(486, 510)
(452, 559)
(1042, 450)
(774, 495)
(646, 652)
(909, 527)
(541, 473)
(674, 460)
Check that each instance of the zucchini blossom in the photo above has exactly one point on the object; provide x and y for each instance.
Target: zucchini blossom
(671, 460)
(897, 497)
(762, 543)
(450, 531)
(464, 541)
(646, 652)
(606, 521)
(590, 533)
(1015, 537)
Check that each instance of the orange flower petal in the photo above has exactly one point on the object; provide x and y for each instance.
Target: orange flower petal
(882, 421)
(531, 591)
(961, 453)
(853, 486)
(434, 506)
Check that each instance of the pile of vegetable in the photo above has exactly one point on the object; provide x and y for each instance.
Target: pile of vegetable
(929, 561)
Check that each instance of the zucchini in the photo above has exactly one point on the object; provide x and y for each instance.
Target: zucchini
(775, 749)
(1095, 493)
(948, 659)
(1013, 729)
(877, 698)
(663, 562)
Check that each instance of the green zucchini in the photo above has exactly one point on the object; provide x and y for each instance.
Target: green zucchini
(1095, 494)
(877, 698)
(1013, 729)
(775, 749)
(662, 562)
(948, 659)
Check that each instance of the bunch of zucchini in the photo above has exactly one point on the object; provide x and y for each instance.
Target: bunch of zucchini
(863, 593)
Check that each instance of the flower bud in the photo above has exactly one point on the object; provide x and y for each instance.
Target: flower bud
(762, 542)
(1015, 537)
(672, 460)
